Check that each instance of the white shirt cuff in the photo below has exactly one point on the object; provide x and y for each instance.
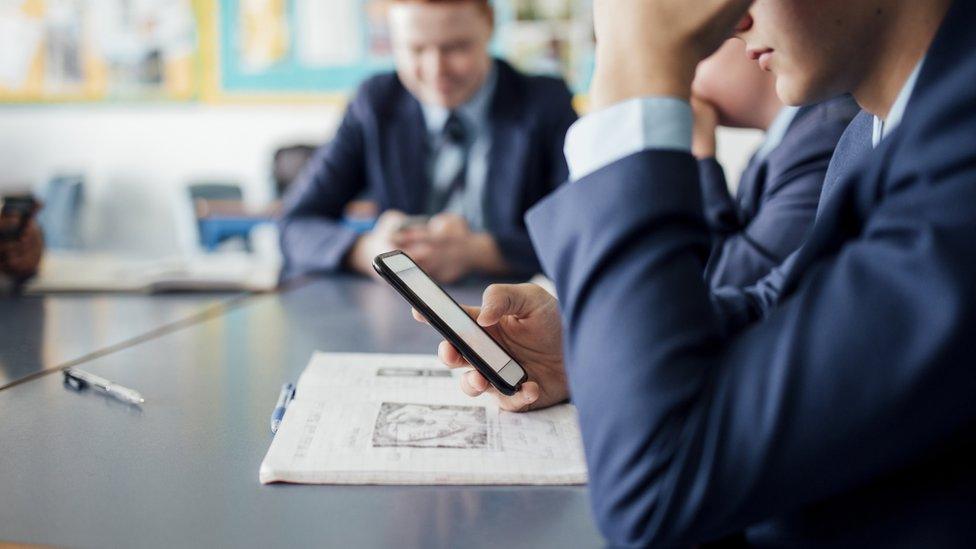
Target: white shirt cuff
(604, 137)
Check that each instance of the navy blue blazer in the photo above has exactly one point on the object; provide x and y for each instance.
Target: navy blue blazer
(381, 148)
(846, 417)
(777, 197)
(739, 306)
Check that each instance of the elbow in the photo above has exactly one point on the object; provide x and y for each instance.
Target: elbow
(631, 516)
(643, 496)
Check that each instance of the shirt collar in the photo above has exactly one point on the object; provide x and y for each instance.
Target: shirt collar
(882, 128)
(474, 112)
(777, 131)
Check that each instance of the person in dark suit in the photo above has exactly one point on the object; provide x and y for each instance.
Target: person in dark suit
(844, 417)
(453, 134)
(778, 193)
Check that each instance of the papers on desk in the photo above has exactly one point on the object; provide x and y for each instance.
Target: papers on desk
(87, 272)
(401, 419)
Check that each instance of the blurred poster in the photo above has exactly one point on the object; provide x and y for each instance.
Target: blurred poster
(63, 62)
(264, 33)
(378, 30)
(329, 32)
(20, 40)
(553, 37)
(140, 43)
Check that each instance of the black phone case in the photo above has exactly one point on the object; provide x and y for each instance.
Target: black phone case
(22, 206)
(466, 351)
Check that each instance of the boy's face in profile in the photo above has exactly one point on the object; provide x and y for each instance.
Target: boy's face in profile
(817, 49)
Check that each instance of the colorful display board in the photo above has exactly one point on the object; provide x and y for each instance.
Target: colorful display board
(67, 50)
(215, 50)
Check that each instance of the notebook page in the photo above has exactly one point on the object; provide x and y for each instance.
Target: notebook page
(401, 419)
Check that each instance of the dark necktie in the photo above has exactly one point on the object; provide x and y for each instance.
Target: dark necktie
(449, 185)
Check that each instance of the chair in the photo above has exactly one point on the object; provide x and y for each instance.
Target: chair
(219, 211)
(215, 191)
(287, 164)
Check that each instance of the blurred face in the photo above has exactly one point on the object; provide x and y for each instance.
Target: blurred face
(736, 86)
(441, 50)
(816, 49)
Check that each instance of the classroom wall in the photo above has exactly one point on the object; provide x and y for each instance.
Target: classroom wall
(138, 158)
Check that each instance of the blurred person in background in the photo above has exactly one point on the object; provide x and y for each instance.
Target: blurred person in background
(454, 147)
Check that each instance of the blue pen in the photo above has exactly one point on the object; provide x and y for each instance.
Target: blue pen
(287, 393)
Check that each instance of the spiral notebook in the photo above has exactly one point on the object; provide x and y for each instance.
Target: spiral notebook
(401, 419)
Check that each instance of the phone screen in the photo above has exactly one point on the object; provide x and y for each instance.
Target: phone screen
(454, 316)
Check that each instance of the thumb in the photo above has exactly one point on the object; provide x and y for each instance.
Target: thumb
(502, 300)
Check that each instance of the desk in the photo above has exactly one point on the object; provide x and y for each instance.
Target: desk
(83, 470)
(46, 332)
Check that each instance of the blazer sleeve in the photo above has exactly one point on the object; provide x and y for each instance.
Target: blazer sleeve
(721, 212)
(313, 238)
(514, 242)
(737, 307)
(787, 210)
(690, 434)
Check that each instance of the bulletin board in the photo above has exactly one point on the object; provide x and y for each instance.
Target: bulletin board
(315, 46)
(239, 50)
(79, 50)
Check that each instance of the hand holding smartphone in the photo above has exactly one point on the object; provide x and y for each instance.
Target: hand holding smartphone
(453, 323)
(16, 211)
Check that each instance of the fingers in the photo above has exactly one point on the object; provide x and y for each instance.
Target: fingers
(450, 356)
(506, 299)
(473, 312)
(522, 401)
(474, 384)
(390, 216)
(388, 222)
(448, 225)
(410, 236)
(418, 317)
(423, 256)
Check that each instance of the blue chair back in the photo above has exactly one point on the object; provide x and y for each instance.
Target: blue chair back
(59, 219)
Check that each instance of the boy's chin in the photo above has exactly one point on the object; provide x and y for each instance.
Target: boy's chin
(795, 93)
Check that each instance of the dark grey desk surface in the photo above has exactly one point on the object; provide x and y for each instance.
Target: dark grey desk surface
(43, 332)
(83, 470)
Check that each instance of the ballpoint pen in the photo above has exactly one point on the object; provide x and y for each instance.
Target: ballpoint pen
(79, 379)
(287, 393)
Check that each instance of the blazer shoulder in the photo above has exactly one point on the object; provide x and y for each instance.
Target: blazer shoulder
(826, 120)
(378, 94)
(813, 136)
(547, 94)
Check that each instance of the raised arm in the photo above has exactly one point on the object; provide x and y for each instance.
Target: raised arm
(691, 433)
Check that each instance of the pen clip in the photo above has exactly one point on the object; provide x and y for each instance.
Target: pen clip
(74, 382)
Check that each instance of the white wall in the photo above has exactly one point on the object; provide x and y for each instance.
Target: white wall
(136, 159)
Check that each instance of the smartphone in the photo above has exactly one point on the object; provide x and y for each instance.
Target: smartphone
(20, 207)
(448, 318)
(412, 221)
